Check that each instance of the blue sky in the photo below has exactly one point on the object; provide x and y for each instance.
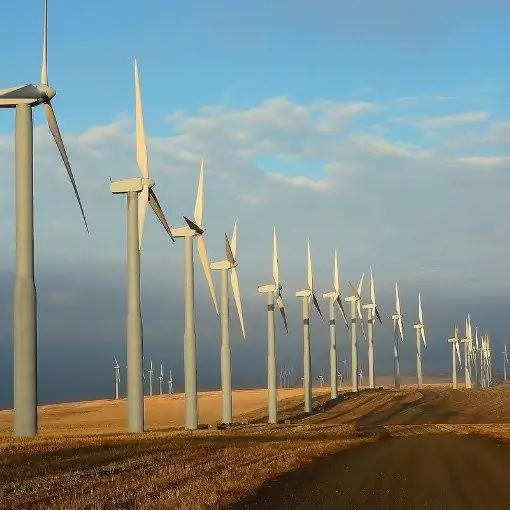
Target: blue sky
(379, 128)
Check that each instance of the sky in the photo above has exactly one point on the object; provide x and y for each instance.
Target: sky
(378, 128)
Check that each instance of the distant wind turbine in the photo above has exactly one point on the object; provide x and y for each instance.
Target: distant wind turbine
(505, 362)
(455, 350)
(150, 372)
(420, 336)
(139, 193)
(334, 297)
(273, 292)
(170, 383)
(397, 320)
(355, 300)
(229, 265)
(321, 378)
(161, 377)
(360, 376)
(308, 296)
(372, 311)
(116, 368)
(191, 230)
(467, 352)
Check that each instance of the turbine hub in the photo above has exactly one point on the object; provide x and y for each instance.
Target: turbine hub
(48, 91)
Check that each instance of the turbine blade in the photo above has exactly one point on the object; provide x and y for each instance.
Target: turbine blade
(342, 310)
(377, 314)
(400, 328)
(354, 290)
(422, 329)
(336, 275)
(358, 307)
(202, 253)
(420, 311)
(158, 211)
(458, 352)
(143, 199)
(397, 299)
(279, 302)
(44, 63)
(233, 240)
(194, 226)
(363, 330)
(317, 307)
(234, 281)
(199, 203)
(141, 142)
(276, 276)
(228, 251)
(309, 275)
(372, 290)
(360, 285)
(55, 131)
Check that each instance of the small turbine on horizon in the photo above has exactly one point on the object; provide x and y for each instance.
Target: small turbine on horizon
(397, 320)
(308, 297)
(372, 311)
(161, 377)
(467, 341)
(226, 267)
(116, 368)
(355, 300)
(151, 373)
(334, 297)
(455, 350)
(420, 336)
(274, 293)
(139, 193)
(170, 383)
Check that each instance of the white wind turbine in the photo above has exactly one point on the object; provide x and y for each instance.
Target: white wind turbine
(308, 296)
(477, 355)
(274, 293)
(150, 372)
(397, 320)
(455, 350)
(188, 232)
(116, 368)
(372, 311)
(139, 193)
(505, 362)
(360, 377)
(170, 383)
(355, 300)
(420, 336)
(467, 349)
(161, 377)
(225, 267)
(334, 297)
(23, 98)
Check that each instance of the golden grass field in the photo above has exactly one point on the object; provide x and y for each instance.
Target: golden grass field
(83, 459)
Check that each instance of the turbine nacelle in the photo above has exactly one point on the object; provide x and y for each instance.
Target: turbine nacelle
(133, 184)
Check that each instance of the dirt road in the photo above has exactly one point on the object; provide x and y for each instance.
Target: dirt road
(440, 472)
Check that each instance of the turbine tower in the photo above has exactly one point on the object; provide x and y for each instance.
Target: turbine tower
(274, 293)
(372, 311)
(150, 372)
(397, 320)
(455, 349)
(161, 377)
(116, 368)
(170, 383)
(308, 296)
(139, 193)
(477, 354)
(334, 297)
(355, 300)
(23, 98)
(467, 352)
(420, 336)
(505, 361)
(225, 267)
(188, 232)
(360, 377)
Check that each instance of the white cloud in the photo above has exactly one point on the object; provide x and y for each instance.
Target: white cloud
(452, 121)
(300, 181)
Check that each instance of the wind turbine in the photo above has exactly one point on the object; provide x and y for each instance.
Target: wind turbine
(360, 377)
(420, 336)
(139, 193)
(225, 267)
(455, 349)
(321, 378)
(397, 320)
(334, 297)
(170, 383)
(23, 98)
(188, 232)
(505, 361)
(274, 293)
(161, 377)
(308, 296)
(355, 300)
(150, 372)
(116, 368)
(372, 311)
(477, 354)
(467, 349)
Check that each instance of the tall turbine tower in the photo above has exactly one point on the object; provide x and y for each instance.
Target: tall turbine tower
(225, 267)
(467, 351)
(139, 193)
(420, 336)
(478, 375)
(308, 296)
(161, 377)
(191, 230)
(151, 373)
(372, 311)
(334, 297)
(23, 98)
(455, 349)
(170, 383)
(355, 300)
(397, 320)
(274, 293)
(505, 362)
(116, 372)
